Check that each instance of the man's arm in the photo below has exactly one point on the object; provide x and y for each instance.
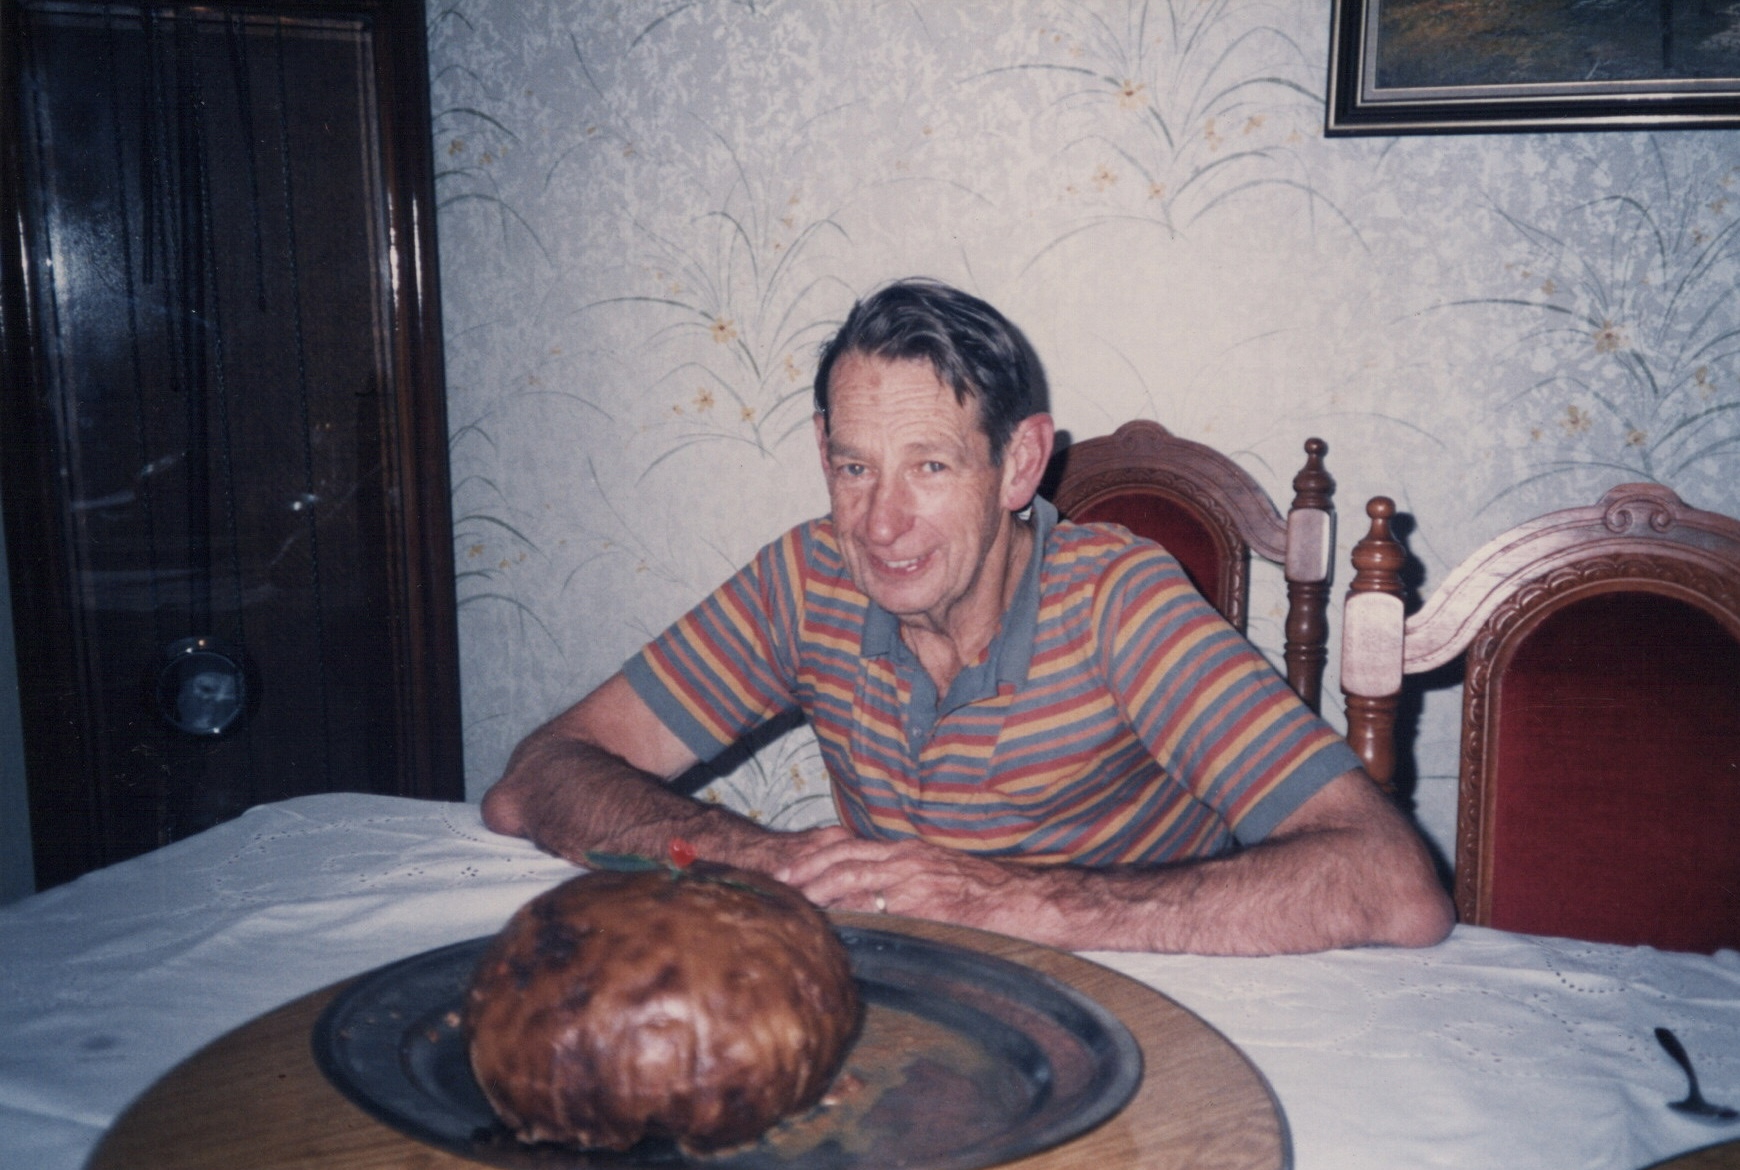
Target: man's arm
(1345, 869)
(593, 778)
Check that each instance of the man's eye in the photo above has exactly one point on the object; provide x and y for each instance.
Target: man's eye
(851, 469)
(935, 467)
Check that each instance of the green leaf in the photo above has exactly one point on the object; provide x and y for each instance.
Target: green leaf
(622, 862)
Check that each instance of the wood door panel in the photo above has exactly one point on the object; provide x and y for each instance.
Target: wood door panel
(222, 326)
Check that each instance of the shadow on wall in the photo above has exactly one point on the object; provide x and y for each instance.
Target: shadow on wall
(1415, 688)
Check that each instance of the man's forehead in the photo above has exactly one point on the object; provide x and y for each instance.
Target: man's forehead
(928, 441)
(878, 385)
(947, 427)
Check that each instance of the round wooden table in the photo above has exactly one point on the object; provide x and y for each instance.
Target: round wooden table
(1721, 1156)
(255, 1098)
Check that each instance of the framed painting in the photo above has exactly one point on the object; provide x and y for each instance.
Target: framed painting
(1486, 66)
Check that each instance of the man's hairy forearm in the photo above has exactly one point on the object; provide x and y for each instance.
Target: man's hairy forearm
(1312, 891)
(568, 797)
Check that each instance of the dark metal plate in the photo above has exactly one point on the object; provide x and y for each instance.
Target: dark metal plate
(965, 1060)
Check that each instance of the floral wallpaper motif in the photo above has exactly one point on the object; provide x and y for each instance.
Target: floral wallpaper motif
(1168, 112)
(1630, 301)
(653, 211)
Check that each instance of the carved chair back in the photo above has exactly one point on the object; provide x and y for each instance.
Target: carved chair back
(1211, 514)
(1599, 792)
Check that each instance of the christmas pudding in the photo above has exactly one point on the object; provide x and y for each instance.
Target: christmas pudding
(697, 1002)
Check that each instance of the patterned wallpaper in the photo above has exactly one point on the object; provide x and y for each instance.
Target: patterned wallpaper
(652, 212)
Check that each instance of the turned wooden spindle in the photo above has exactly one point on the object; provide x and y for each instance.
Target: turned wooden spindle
(1371, 648)
(1309, 566)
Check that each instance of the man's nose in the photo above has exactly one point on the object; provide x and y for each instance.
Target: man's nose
(890, 510)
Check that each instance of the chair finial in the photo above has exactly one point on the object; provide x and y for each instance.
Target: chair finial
(1378, 557)
(1314, 487)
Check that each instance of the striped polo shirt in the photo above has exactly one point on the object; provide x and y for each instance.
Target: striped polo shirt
(1115, 719)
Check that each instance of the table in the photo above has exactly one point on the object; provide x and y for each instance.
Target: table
(1489, 1049)
(255, 1097)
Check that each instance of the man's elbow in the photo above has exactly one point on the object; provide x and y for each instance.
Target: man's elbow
(1420, 913)
(502, 812)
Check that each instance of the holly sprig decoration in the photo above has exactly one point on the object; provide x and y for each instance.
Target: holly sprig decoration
(681, 855)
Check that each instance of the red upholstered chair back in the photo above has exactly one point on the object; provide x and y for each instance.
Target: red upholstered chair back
(1608, 800)
(1600, 776)
(1217, 562)
(1211, 514)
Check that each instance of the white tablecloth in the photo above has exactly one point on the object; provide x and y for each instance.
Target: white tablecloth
(1492, 1049)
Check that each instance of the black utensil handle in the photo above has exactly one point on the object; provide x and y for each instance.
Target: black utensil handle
(1676, 1050)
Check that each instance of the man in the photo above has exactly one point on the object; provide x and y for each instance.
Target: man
(1031, 726)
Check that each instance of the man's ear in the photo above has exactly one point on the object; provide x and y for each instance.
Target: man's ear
(1025, 459)
(821, 421)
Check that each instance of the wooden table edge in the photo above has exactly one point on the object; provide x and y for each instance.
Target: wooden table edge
(256, 1097)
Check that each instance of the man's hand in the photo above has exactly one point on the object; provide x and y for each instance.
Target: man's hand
(1344, 870)
(775, 852)
(922, 880)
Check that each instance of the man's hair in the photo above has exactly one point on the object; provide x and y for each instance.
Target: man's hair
(975, 350)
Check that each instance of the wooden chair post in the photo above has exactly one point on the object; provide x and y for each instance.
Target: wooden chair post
(1371, 644)
(1309, 567)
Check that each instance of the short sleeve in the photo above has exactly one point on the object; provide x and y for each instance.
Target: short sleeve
(728, 665)
(1214, 713)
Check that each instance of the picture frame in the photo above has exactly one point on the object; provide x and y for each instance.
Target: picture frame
(1468, 67)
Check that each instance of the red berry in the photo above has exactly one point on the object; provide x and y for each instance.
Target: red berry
(682, 853)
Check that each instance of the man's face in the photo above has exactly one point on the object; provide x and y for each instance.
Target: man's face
(917, 503)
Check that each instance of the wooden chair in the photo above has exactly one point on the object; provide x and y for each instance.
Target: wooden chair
(1211, 514)
(1600, 773)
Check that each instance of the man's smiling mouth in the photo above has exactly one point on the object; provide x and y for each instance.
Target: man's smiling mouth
(896, 568)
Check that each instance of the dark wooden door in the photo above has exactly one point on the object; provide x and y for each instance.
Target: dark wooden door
(224, 437)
